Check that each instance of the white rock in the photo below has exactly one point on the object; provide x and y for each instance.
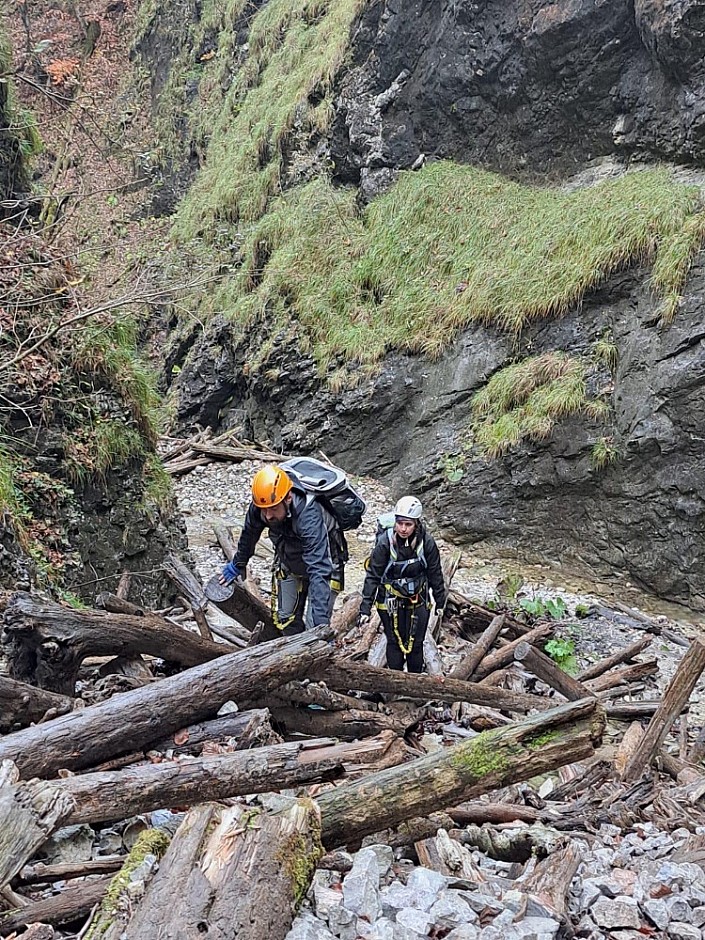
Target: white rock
(426, 880)
(615, 912)
(680, 931)
(450, 910)
(464, 932)
(361, 886)
(395, 897)
(382, 929)
(657, 911)
(308, 927)
(412, 924)
(384, 855)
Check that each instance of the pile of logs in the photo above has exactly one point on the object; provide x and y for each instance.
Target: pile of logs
(184, 455)
(119, 712)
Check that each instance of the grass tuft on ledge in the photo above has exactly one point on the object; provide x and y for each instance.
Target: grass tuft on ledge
(449, 246)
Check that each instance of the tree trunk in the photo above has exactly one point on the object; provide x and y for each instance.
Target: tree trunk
(677, 694)
(69, 905)
(241, 730)
(621, 656)
(505, 655)
(493, 759)
(344, 675)
(347, 725)
(29, 813)
(623, 676)
(241, 880)
(237, 602)
(110, 795)
(466, 667)
(22, 704)
(517, 844)
(129, 721)
(549, 672)
(50, 641)
(550, 881)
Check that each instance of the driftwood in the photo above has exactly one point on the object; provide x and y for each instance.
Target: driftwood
(621, 656)
(241, 730)
(677, 694)
(344, 675)
(70, 905)
(231, 873)
(493, 759)
(41, 873)
(51, 641)
(242, 605)
(549, 672)
(550, 880)
(129, 721)
(29, 813)
(106, 796)
(505, 655)
(479, 813)
(517, 844)
(467, 666)
(449, 857)
(347, 725)
(22, 704)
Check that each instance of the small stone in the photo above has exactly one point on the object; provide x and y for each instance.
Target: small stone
(657, 911)
(680, 931)
(308, 927)
(361, 886)
(615, 912)
(426, 880)
(382, 929)
(464, 932)
(482, 903)
(384, 855)
(451, 910)
(70, 844)
(412, 924)
(395, 897)
(679, 909)
(529, 906)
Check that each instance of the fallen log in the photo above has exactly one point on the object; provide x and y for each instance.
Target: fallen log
(623, 676)
(129, 721)
(677, 694)
(517, 844)
(544, 668)
(29, 813)
(505, 655)
(41, 873)
(109, 795)
(22, 704)
(466, 667)
(240, 604)
(493, 759)
(616, 659)
(317, 693)
(347, 725)
(479, 813)
(231, 873)
(449, 857)
(49, 642)
(69, 905)
(241, 730)
(551, 879)
(344, 675)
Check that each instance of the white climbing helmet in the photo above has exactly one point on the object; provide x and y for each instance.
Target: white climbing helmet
(408, 507)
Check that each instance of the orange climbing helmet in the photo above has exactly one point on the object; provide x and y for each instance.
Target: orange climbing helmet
(269, 486)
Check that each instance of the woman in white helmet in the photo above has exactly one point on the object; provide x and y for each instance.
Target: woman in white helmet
(404, 564)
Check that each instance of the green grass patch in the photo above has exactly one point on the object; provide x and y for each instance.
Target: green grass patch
(105, 445)
(524, 400)
(12, 503)
(295, 50)
(448, 246)
(604, 452)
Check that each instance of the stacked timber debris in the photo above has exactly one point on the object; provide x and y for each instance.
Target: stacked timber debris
(164, 776)
(185, 454)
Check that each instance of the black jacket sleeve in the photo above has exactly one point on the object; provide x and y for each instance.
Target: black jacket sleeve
(249, 537)
(311, 529)
(435, 570)
(379, 559)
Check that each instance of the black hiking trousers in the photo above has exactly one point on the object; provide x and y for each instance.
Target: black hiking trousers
(395, 655)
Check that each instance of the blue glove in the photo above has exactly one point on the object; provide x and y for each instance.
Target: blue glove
(231, 572)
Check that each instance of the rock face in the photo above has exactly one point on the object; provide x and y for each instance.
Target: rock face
(523, 86)
(537, 90)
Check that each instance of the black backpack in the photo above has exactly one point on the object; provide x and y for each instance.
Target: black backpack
(330, 487)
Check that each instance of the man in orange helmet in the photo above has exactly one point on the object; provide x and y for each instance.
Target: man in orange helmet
(308, 550)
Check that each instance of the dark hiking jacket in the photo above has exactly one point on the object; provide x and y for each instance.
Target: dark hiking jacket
(406, 550)
(305, 544)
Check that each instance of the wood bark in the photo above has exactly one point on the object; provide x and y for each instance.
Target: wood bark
(517, 844)
(241, 880)
(344, 675)
(450, 566)
(449, 857)
(544, 668)
(41, 873)
(433, 664)
(69, 905)
(347, 725)
(628, 711)
(621, 656)
(505, 655)
(240, 604)
(551, 879)
(628, 746)
(317, 693)
(480, 813)
(22, 704)
(677, 694)
(491, 760)
(51, 641)
(623, 676)
(29, 813)
(240, 731)
(129, 721)
(467, 666)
